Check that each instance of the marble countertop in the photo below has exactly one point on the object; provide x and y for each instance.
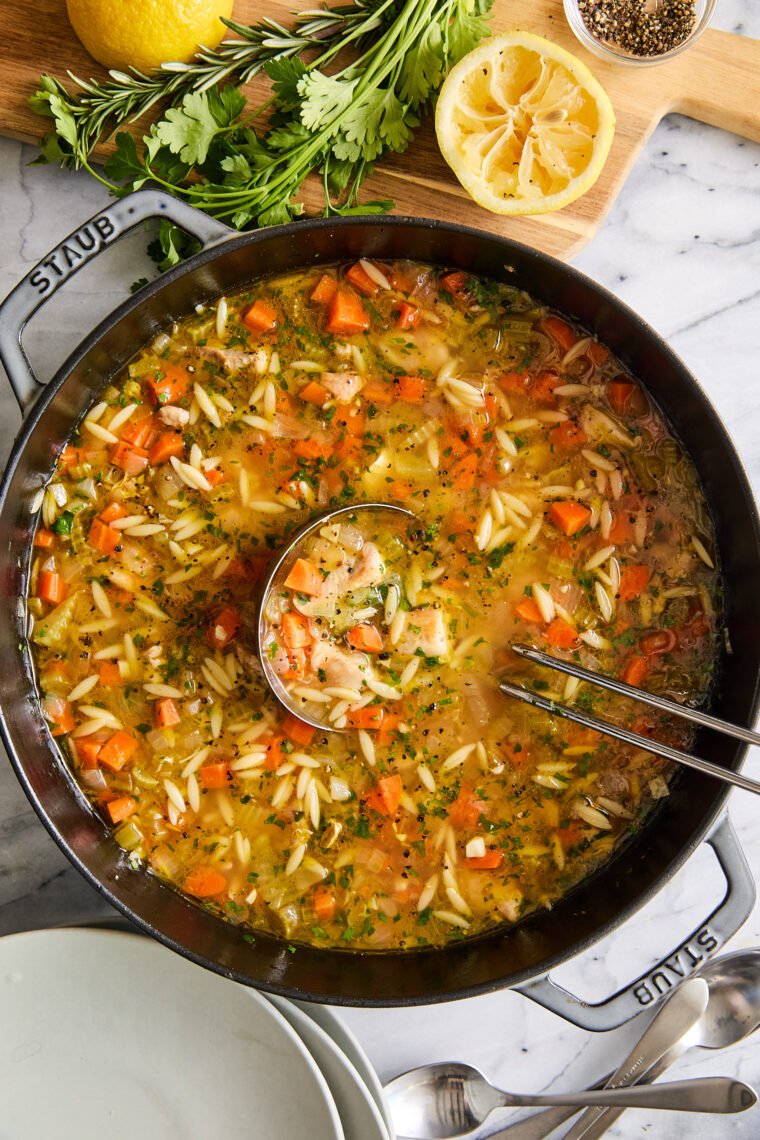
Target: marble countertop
(682, 247)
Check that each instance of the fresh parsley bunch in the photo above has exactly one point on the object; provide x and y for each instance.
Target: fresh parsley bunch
(205, 148)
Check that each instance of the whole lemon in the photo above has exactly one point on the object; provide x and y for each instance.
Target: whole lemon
(146, 33)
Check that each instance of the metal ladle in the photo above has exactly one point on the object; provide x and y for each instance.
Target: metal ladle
(277, 572)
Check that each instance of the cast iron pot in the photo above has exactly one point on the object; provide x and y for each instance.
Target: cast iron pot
(520, 956)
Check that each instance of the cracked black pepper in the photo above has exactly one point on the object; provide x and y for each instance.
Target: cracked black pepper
(634, 27)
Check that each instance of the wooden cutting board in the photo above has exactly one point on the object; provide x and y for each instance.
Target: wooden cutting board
(717, 81)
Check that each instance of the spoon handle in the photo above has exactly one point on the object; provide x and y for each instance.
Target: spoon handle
(604, 1120)
(675, 1017)
(708, 1094)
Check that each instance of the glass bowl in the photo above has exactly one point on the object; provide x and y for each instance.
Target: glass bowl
(703, 8)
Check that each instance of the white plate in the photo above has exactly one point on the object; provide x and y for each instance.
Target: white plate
(110, 1034)
(359, 1113)
(345, 1040)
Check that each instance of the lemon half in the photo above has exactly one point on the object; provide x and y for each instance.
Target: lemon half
(524, 125)
(146, 33)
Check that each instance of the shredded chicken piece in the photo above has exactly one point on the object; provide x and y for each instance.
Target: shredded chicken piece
(426, 630)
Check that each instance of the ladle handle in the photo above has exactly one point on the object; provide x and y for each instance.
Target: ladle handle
(672, 968)
(83, 245)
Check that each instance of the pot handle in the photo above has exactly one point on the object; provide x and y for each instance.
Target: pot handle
(656, 983)
(81, 246)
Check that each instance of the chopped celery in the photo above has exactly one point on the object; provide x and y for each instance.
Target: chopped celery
(52, 629)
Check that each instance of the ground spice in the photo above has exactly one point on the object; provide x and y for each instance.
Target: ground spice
(636, 27)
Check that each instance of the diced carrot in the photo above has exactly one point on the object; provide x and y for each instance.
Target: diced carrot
(215, 775)
(350, 418)
(113, 512)
(273, 749)
(305, 578)
(542, 386)
(214, 475)
(167, 713)
(636, 669)
(408, 316)
(370, 718)
(459, 523)
(492, 859)
(386, 795)
(569, 516)
(295, 631)
(120, 808)
(561, 635)
(597, 353)
(567, 434)
(323, 904)
(516, 753)
(170, 384)
(132, 460)
(633, 579)
(324, 289)
(527, 610)
(463, 472)
(58, 711)
(411, 388)
(390, 723)
(560, 331)
(140, 433)
(379, 392)
(117, 751)
(222, 629)
(104, 538)
(455, 283)
(205, 882)
(361, 280)
(314, 393)
(168, 444)
(261, 317)
(517, 382)
(474, 432)
(69, 457)
(313, 449)
(51, 587)
(621, 530)
(298, 730)
(109, 674)
(346, 315)
(283, 404)
(466, 809)
(247, 569)
(88, 750)
(570, 835)
(661, 641)
(297, 663)
(619, 393)
(44, 538)
(365, 637)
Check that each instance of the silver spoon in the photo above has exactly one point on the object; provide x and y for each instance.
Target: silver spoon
(450, 1099)
(276, 572)
(732, 1014)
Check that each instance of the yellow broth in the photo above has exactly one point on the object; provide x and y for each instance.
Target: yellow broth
(554, 507)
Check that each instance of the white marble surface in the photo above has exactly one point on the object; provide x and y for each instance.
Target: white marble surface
(682, 247)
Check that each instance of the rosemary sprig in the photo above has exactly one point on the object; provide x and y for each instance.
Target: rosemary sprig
(204, 147)
(98, 108)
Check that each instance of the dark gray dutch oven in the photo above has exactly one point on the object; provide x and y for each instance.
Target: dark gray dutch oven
(521, 956)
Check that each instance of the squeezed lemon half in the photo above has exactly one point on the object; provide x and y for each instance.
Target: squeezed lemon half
(524, 125)
(146, 33)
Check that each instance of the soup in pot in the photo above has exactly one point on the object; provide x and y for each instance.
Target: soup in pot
(552, 506)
